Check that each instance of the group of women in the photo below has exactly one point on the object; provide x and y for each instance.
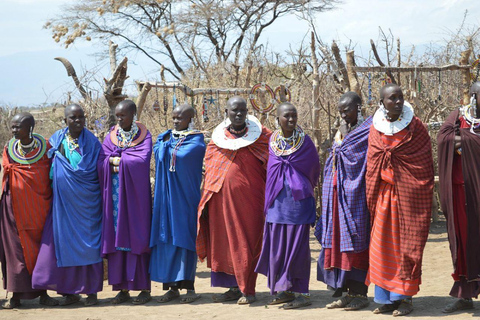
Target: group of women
(70, 202)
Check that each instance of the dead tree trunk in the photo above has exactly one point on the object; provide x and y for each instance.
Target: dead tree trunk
(71, 73)
(114, 86)
(352, 75)
(317, 133)
(465, 76)
(341, 65)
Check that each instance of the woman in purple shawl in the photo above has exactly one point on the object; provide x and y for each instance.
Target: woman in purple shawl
(292, 174)
(343, 229)
(124, 170)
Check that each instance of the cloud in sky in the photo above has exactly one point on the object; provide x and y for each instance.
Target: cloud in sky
(415, 22)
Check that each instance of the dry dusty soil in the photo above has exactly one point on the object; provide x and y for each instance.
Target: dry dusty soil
(428, 304)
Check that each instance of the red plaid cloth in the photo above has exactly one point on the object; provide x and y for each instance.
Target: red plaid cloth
(412, 163)
(217, 163)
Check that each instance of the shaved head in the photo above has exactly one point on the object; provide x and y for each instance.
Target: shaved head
(388, 86)
(475, 88)
(283, 106)
(71, 107)
(186, 110)
(24, 117)
(128, 105)
(236, 100)
(350, 97)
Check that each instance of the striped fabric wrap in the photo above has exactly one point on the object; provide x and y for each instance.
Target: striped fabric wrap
(412, 164)
(349, 159)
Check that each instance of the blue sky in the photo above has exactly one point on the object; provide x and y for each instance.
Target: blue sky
(30, 76)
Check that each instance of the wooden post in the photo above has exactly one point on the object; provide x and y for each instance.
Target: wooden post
(465, 76)
(283, 96)
(317, 133)
(142, 97)
(352, 75)
(341, 65)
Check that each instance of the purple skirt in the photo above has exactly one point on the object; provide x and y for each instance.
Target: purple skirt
(128, 271)
(285, 257)
(64, 280)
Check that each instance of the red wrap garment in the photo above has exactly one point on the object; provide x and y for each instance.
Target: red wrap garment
(230, 213)
(400, 172)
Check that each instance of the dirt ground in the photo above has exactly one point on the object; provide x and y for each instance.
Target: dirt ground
(428, 303)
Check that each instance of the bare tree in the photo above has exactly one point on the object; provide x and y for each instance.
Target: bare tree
(179, 34)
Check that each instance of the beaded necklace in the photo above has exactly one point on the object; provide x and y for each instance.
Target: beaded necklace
(23, 150)
(72, 143)
(472, 121)
(180, 136)
(239, 132)
(279, 144)
(125, 138)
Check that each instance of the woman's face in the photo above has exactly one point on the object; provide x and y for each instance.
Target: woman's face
(124, 117)
(393, 102)
(75, 120)
(20, 129)
(348, 110)
(237, 113)
(287, 119)
(181, 120)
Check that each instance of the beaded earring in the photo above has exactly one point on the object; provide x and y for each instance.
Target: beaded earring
(135, 119)
(225, 119)
(31, 131)
(277, 124)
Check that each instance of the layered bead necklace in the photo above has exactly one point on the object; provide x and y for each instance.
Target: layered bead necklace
(471, 120)
(125, 138)
(72, 143)
(23, 150)
(180, 137)
(282, 146)
(237, 132)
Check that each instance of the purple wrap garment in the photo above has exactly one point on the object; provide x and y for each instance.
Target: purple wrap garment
(300, 170)
(134, 211)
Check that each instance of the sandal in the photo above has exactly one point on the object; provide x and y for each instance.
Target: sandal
(70, 299)
(11, 304)
(121, 297)
(91, 300)
(282, 297)
(48, 301)
(387, 308)
(341, 303)
(190, 297)
(246, 299)
(299, 302)
(143, 297)
(405, 307)
(232, 294)
(459, 304)
(169, 296)
(359, 302)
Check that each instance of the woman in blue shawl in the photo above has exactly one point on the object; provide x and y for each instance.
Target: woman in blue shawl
(179, 158)
(69, 260)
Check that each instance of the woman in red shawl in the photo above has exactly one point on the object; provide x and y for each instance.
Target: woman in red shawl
(399, 182)
(459, 171)
(231, 208)
(26, 197)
